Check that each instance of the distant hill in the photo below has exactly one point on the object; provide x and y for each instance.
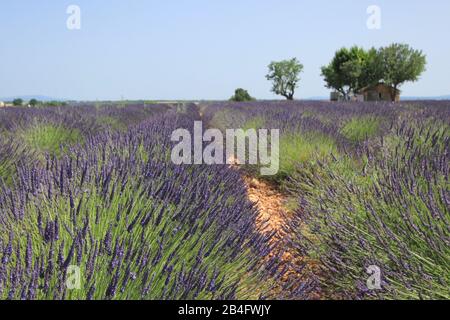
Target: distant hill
(316, 98)
(427, 98)
(29, 97)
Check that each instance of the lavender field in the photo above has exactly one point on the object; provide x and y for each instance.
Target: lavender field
(369, 191)
(92, 189)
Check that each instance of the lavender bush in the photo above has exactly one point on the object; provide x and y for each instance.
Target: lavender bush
(369, 183)
(379, 198)
(136, 226)
(392, 212)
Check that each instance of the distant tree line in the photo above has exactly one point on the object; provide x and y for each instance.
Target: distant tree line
(350, 71)
(34, 103)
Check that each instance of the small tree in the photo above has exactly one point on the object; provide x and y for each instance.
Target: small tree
(241, 95)
(285, 76)
(401, 64)
(17, 102)
(33, 102)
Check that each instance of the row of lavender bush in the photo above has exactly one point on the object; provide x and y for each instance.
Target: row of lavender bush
(116, 209)
(377, 201)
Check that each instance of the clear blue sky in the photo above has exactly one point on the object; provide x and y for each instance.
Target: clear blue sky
(202, 48)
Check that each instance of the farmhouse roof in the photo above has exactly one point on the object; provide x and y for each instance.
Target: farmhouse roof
(377, 86)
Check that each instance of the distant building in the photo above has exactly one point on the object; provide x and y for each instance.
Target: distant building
(336, 96)
(379, 92)
(2, 104)
(357, 98)
(339, 97)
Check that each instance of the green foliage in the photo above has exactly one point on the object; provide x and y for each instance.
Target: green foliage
(400, 64)
(380, 212)
(350, 70)
(360, 129)
(104, 211)
(355, 68)
(54, 103)
(285, 76)
(371, 72)
(10, 153)
(18, 102)
(301, 148)
(33, 102)
(255, 123)
(241, 95)
(48, 138)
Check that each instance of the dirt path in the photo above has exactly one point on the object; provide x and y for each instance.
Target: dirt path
(270, 204)
(273, 215)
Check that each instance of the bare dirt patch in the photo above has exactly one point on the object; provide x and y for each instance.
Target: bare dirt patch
(273, 217)
(270, 204)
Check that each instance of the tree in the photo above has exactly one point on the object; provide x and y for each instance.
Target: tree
(17, 102)
(350, 70)
(372, 70)
(33, 102)
(241, 95)
(400, 64)
(285, 76)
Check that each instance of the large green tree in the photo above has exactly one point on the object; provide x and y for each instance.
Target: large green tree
(372, 71)
(350, 70)
(285, 76)
(401, 63)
